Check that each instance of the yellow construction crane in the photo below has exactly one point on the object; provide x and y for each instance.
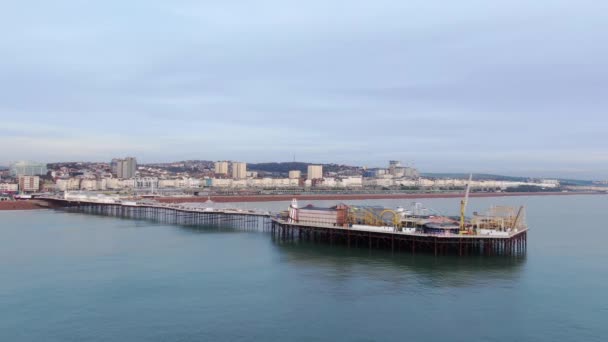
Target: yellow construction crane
(463, 206)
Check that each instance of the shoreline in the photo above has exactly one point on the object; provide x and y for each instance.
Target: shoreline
(41, 205)
(322, 197)
(22, 205)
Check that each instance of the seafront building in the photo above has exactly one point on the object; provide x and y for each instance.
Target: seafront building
(221, 168)
(29, 183)
(295, 174)
(126, 168)
(228, 176)
(239, 170)
(314, 172)
(9, 187)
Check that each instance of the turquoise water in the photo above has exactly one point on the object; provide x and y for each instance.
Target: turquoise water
(73, 277)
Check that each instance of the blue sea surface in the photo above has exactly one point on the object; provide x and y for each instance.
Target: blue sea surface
(77, 277)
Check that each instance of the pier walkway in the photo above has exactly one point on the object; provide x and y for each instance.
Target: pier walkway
(371, 237)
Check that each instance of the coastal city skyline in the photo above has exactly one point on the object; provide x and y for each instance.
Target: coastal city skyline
(280, 170)
(125, 175)
(461, 172)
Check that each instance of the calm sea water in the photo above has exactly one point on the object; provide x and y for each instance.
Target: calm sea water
(73, 277)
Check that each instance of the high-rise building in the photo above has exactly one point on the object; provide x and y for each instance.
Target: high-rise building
(239, 170)
(27, 168)
(315, 172)
(410, 172)
(295, 174)
(114, 166)
(221, 168)
(393, 166)
(126, 168)
(29, 183)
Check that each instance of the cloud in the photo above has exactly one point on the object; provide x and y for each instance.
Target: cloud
(502, 86)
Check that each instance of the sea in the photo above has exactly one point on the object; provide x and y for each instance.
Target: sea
(76, 277)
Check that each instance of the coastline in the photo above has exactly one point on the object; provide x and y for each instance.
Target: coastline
(321, 197)
(41, 205)
(22, 205)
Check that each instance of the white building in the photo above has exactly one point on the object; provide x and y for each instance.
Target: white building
(221, 182)
(88, 184)
(315, 172)
(254, 183)
(295, 174)
(348, 182)
(188, 183)
(102, 184)
(9, 187)
(67, 184)
(114, 184)
(221, 168)
(148, 183)
(239, 170)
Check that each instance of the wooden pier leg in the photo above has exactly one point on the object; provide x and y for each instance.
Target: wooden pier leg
(392, 243)
(435, 238)
(460, 246)
(348, 237)
(369, 237)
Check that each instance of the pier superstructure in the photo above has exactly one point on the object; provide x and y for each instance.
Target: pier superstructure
(414, 229)
(499, 231)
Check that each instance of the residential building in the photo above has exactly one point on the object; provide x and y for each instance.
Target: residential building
(393, 165)
(88, 184)
(315, 172)
(9, 187)
(29, 183)
(295, 174)
(221, 168)
(149, 183)
(126, 168)
(239, 170)
(67, 184)
(114, 166)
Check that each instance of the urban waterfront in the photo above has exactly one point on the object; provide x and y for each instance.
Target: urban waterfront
(69, 276)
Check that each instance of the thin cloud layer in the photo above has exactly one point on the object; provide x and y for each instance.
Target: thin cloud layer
(508, 87)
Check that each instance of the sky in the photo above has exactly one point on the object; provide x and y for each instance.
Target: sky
(508, 87)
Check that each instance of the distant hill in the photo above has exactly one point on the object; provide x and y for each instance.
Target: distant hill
(476, 176)
(285, 167)
(576, 182)
(279, 167)
(484, 176)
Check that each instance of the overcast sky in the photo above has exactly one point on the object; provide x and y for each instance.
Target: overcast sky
(511, 87)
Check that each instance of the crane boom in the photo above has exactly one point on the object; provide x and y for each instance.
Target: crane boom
(464, 202)
(518, 217)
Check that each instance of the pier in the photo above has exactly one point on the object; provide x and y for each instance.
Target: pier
(282, 228)
(167, 213)
(437, 244)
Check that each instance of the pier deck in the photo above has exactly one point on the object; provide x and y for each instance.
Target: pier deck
(439, 244)
(370, 237)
